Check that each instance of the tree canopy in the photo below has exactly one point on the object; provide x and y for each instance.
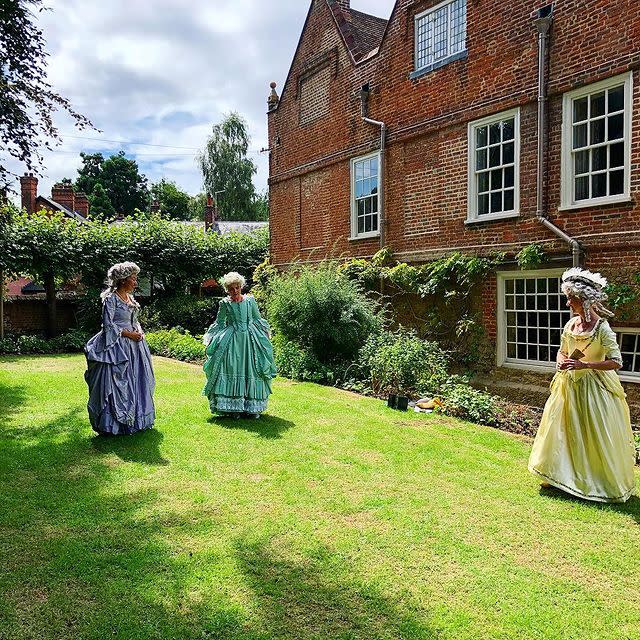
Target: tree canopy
(124, 185)
(27, 100)
(227, 172)
(174, 203)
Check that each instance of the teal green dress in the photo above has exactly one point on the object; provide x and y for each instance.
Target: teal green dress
(239, 365)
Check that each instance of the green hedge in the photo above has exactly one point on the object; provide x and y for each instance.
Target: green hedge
(176, 344)
(70, 342)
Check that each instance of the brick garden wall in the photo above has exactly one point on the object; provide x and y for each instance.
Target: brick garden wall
(27, 316)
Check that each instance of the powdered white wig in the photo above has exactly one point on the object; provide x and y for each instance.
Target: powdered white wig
(117, 274)
(233, 277)
(588, 287)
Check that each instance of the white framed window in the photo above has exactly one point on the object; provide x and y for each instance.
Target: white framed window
(494, 167)
(440, 34)
(365, 196)
(532, 312)
(629, 343)
(596, 143)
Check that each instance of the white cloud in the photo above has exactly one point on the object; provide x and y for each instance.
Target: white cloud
(164, 72)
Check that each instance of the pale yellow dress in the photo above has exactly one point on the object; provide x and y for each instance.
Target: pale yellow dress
(584, 444)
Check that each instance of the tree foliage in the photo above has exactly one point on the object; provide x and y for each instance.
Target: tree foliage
(174, 203)
(226, 168)
(124, 185)
(101, 206)
(27, 100)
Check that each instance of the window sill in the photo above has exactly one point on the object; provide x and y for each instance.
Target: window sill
(492, 218)
(599, 202)
(538, 367)
(629, 377)
(367, 236)
(418, 73)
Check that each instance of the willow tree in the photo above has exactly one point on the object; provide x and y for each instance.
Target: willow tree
(226, 170)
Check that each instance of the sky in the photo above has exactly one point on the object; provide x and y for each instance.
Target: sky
(163, 72)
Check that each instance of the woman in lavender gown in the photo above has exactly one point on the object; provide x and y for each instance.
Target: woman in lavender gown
(119, 371)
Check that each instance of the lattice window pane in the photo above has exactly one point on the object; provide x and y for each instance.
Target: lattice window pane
(441, 33)
(533, 335)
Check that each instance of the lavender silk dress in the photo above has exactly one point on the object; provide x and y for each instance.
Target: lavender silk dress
(119, 373)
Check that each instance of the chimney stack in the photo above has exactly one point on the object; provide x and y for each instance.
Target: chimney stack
(63, 195)
(343, 4)
(29, 191)
(210, 214)
(82, 204)
(155, 206)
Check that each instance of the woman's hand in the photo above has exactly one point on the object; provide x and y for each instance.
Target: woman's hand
(573, 365)
(136, 336)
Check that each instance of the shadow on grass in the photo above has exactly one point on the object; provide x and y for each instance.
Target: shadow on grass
(92, 550)
(12, 397)
(267, 426)
(320, 596)
(631, 507)
(143, 446)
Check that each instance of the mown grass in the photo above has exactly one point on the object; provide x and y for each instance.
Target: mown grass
(332, 517)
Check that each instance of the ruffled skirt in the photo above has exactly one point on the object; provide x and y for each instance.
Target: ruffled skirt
(121, 386)
(584, 444)
(235, 369)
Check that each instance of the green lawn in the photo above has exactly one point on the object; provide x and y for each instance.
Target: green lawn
(332, 517)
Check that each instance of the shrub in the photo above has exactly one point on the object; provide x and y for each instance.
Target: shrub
(322, 312)
(70, 342)
(464, 401)
(188, 312)
(400, 362)
(177, 345)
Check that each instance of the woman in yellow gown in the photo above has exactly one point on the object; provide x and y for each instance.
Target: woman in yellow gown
(584, 444)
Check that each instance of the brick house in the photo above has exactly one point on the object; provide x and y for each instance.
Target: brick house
(421, 133)
(25, 308)
(72, 204)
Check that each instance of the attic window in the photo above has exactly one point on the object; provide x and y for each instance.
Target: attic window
(314, 95)
(440, 35)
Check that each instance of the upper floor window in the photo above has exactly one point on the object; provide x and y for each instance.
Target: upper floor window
(596, 145)
(440, 34)
(494, 151)
(365, 192)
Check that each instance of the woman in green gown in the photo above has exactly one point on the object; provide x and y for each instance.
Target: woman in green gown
(239, 365)
(584, 445)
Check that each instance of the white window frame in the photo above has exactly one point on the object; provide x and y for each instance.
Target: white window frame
(625, 374)
(567, 173)
(450, 56)
(472, 200)
(354, 209)
(501, 328)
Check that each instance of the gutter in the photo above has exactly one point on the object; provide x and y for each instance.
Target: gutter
(543, 25)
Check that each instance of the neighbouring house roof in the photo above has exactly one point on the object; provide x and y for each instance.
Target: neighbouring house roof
(361, 32)
(225, 227)
(58, 207)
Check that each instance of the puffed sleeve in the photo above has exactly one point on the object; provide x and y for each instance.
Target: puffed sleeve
(610, 343)
(220, 323)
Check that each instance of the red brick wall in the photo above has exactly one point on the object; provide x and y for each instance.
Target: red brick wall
(28, 316)
(426, 174)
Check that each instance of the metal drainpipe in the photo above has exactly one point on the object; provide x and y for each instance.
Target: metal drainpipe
(383, 131)
(543, 25)
(364, 98)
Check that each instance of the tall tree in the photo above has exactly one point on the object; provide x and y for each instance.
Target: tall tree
(174, 203)
(226, 168)
(101, 206)
(120, 177)
(197, 206)
(27, 100)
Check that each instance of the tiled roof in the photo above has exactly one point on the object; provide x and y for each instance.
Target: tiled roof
(362, 33)
(67, 212)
